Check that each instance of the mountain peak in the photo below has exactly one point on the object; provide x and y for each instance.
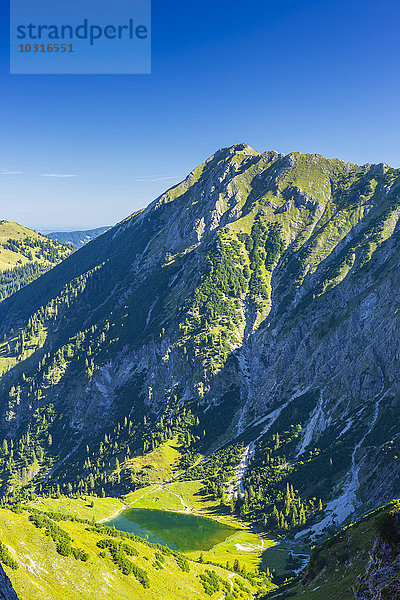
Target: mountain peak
(240, 148)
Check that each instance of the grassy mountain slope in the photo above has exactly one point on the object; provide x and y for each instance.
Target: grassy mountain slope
(46, 570)
(24, 256)
(257, 297)
(360, 562)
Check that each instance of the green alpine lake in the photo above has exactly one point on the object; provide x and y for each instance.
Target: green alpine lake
(178, 531)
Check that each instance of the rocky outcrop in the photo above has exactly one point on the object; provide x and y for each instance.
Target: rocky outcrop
(382, 577)
(381, 580)
(7, 591)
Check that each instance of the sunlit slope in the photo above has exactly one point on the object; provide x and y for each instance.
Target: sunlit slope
(25, 255)
(47, 571)
(20, 245)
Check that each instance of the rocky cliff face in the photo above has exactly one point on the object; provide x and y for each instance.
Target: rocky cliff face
(272, 277)
(381, 580)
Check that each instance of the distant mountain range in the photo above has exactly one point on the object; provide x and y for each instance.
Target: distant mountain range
(77, 238)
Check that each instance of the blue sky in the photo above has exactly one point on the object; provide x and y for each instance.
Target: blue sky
(305, 75)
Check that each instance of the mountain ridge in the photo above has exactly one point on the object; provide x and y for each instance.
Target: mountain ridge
(216, 296)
